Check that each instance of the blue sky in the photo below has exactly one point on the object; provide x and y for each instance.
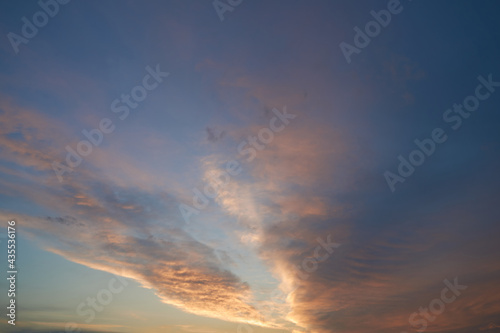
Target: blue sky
(252, 258)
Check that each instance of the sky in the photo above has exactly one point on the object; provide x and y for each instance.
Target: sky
(250, 166)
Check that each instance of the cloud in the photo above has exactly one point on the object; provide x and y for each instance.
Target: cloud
(490, 326)
(119, 212)
(194, 329)
(116, 227)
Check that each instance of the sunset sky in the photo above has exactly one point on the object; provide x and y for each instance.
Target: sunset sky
(199, 166)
